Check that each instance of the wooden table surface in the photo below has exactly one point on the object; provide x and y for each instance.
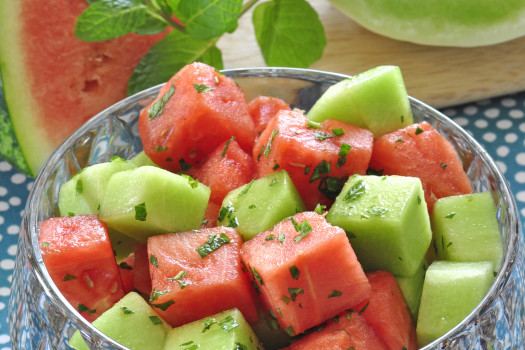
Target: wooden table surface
(439, 76)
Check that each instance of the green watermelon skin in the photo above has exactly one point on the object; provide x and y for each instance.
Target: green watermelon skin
(52, 81)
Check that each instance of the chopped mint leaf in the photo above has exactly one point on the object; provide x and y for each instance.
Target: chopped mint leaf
(157, 108)
(45, 244)
(335, 293)
(201, 88)
(290, 331)
(270, 237)
(323, 168)
(306, 170)
(321, 135)
(356, 191)
(281, 238)
(156, 293)
(69, 277)
(253, 206)
(83, 308)
(155, 320)
(79, 187)
(126, 310)
(214, 242)
(400, 139)
(153, 261)
(304, 228)
(183, 165)
(377, 211)
(418, 130)
(228, 323)
(274, 181)
(125, 266)
(140, 212)
(338, 132)
(70, 213)
(320, 209)
(450, 216)
(269, 144)
(275, 167)
(208, 323)
(294, 271)
(256, 276)
(285, 299)
(371, 171)
(163, 306)
(443, 166)
(294, 292)
(418, 200)
(226, 146)
(345, 148)
(363, 309)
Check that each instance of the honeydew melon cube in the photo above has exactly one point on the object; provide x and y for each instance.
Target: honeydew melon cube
(260, 204)
(131, 322)
(224, 331)
(376, 100)
(412, 287)
(141, 159)
(386, 220)
(465, 228)
(83, 193)
(450, 292)
(148, 201)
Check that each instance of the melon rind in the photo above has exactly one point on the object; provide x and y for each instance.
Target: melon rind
(463, 23)
(25, 143)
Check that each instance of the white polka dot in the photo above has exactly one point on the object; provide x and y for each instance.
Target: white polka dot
(489, 137)
(470, 110)
(1, 237)
(520, 158)
(30, 185)
(5, 166)
(502, 166)
(508, 102)
(2, 306)
(22, 213)
(516, 113)
(2, 220)
(449, 112)
(4, 338)
(12, 250)
(522, 127)
(511, 137)
(3, 191)
(520, 196)
(492, 113)
(462, 121)
(4, 206)
(5, 291)
(13, 229)
(483, 102)
(481, 123)
(502, 151)
(520, 177)
(7, 264)
(17, 179)
(523, 212)
(504, 124)
(10, 278)
(15, 201)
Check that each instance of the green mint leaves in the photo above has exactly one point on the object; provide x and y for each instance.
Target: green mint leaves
(289, 32)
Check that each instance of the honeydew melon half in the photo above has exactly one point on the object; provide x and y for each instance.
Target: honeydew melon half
(462, 23)
(52, 81)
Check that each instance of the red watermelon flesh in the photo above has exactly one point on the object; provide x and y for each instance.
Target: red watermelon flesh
(127, 273)
(208, 285)
(225, 169)
(64, 81)
(202, 110)
(386, 312)
(347, 330)
(304, 281)
(264, 108)
(312, 155)
(420, 151)
(141, 278)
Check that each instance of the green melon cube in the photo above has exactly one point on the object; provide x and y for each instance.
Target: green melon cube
(257, 206)
(131, 322)
(465, 228)
(450, 292)
(148, 201)
(386, 220)
(376, 100)
(83, 193)
(141, 159)
(227, 330)
(412, 287)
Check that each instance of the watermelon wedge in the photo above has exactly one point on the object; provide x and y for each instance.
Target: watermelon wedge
(53, 82)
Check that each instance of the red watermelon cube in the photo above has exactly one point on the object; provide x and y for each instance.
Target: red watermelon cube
(318, 157)
(420, 151)
(305, 271)
(264, 108)
(78, 256)
(198, 273)
(195, 111)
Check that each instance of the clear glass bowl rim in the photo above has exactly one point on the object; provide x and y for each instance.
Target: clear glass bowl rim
(513, 229)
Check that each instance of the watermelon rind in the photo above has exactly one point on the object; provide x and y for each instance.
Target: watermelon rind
(22, 141)
(462, 23)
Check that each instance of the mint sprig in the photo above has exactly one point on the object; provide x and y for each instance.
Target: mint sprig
(288, 32)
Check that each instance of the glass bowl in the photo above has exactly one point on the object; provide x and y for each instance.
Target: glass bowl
(41, 318)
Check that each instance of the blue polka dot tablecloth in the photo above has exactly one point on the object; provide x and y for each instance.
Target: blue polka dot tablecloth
(498, 124)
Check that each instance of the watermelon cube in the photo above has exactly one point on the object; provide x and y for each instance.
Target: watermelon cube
(318, 157)
(78, 256)
(264, 108)
(198, 273)
(304, 271)
(227, 330)
(450, 292)
(131, 322)
(419, 150)
(386, 220)
(465, 228)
